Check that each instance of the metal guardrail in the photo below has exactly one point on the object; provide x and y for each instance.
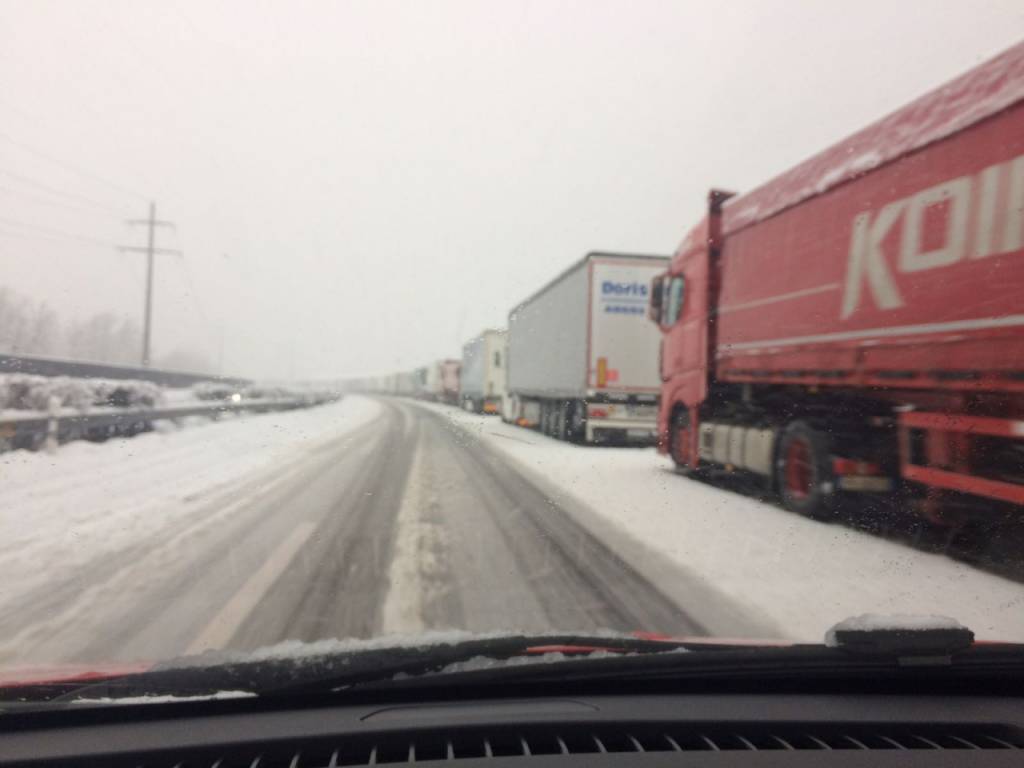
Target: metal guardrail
(33, 429)
(51, 366)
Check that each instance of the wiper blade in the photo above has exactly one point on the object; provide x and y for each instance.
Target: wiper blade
(325, 672)
(885, 644)
(412, 662)
(761, 663)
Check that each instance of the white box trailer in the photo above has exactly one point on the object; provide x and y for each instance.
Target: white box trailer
(405, 383)
(582, 356)
(419, 382)
(482, 382)
(441, 383)
(451, 371)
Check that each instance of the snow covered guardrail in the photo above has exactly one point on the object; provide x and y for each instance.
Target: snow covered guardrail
(34, 429)
(80, 369)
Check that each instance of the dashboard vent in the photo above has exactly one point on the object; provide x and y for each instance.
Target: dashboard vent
(429, 746)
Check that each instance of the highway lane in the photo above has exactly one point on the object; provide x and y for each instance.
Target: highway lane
(406, 524)
(439, 533)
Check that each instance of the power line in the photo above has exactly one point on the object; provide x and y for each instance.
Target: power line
(45, 201)
(54, 191)
(58, 233)
(38, 236)
(150, 250)
(68, 166)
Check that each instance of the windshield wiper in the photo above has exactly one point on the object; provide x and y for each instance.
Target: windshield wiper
(850, 650)
(908, 645)
(330, 671)
(904, 645)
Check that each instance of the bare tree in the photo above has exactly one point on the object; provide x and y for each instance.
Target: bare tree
(34, 328)
(105, 338)
(127, 342)
(43, 330)
(184, 359)
(13, 311)
(27, 327)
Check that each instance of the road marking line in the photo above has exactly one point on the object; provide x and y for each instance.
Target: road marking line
(224, 625)
(402, 612)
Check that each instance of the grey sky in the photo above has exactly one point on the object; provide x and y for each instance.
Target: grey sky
(361, 186)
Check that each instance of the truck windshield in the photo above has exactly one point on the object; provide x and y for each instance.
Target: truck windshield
(357, 324)
(676, 297)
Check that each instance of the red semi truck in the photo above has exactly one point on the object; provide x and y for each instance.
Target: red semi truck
(856, 325)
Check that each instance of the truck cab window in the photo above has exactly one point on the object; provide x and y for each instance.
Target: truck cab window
(674, 303)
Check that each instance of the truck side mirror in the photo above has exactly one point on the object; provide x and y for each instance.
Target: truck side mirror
(654, 305)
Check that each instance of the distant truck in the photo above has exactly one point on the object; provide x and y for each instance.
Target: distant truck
(441, 382)
(482, 378)
(856, 325)
(582, 360)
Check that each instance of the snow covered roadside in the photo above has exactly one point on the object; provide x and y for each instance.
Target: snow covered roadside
(88, 501)
(802, 575)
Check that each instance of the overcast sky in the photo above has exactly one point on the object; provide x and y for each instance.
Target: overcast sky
(362, 186)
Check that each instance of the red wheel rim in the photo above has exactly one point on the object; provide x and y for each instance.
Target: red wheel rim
(799, 472)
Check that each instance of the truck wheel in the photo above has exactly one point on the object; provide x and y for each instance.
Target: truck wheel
(556, 419)
(577, 421)
(562, 420)
(545, 417)
(803, 472)
(679, 438)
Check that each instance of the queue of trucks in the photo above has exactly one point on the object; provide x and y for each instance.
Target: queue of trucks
(579, 359)
(852, 328)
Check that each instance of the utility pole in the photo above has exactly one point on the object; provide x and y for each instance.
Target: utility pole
(150, 250)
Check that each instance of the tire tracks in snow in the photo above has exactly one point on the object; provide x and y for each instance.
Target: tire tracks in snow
(75, 612)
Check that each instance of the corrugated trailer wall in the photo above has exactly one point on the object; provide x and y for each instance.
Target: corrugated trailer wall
(547, 339)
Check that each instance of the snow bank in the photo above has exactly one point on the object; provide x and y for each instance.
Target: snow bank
(801, 575)
(140, 500)
(26, 392)
(168, 699)
(219, 390)
(215, 390)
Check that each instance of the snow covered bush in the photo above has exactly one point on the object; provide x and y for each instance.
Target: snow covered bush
(26, 392)
(215, 390)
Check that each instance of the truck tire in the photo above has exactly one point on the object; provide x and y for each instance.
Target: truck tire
(679, 435)
(803, 472)
(576, 421)
(562, 420)
(556, 419)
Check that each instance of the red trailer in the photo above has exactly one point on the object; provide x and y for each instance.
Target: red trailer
(857, 323)
(450, 372)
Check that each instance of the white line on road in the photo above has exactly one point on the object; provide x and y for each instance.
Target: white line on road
(224, 625)
(402, 612)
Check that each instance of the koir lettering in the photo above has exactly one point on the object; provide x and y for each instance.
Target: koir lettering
(984, 216)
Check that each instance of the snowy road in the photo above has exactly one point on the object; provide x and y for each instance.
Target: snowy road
(371, 517)
(399, 523)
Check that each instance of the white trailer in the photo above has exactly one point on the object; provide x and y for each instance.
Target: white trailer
(432, 383)
(441, 381)
(405, 383)
(482, 382)
(582, 357)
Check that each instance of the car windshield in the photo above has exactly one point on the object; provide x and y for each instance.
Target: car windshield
(334, 326)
